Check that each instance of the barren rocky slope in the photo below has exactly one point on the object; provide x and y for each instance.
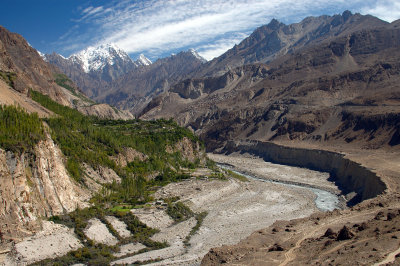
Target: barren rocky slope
(23, 69)
(36, 185)
(366, 235)
(276, 39)
(342, 91)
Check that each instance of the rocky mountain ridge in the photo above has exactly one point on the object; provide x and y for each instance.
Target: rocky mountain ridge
(343, 90)
(277, 39)
(108, 75)
(135, 89)
(95, 67)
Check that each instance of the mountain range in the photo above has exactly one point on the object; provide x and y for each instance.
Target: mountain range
(95, 67)
(107, 74)
(337, 83)
(277, 39)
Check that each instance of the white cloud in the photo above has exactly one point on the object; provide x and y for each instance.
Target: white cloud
(388, 10)
(218, 47)
(210, 26)
(87, 10)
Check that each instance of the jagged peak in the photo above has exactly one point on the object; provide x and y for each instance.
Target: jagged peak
(347, 14)
(95, 58)
(143, 61)
(274, 24)
(196, 54)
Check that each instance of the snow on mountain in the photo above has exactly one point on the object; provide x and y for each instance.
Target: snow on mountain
(196, 54)
(42, 55)
(142, 61)
(96, 58)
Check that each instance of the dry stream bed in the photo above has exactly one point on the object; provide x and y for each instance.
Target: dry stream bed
(235, 209)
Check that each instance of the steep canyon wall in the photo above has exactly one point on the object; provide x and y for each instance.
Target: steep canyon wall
(354, 180)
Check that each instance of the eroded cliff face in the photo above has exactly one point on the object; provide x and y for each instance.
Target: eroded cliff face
(36, 184)
(355, 181)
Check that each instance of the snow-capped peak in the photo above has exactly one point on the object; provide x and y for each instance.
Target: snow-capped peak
(42, 55)
(196, 54)
(96, 58)
(143, 61)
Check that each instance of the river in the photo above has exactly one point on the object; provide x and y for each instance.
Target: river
(324, 200)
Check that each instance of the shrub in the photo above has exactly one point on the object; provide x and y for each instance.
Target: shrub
(179, 212)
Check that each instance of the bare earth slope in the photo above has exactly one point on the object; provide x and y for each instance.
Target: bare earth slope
(342, 91)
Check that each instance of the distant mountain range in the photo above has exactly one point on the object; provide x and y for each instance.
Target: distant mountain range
(107, 74)
(94, 68)
(276, 39)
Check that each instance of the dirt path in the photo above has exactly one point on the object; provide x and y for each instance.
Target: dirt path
(391, 257)
(290, 255)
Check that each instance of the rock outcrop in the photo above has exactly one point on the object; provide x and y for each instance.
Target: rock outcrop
(35, 185)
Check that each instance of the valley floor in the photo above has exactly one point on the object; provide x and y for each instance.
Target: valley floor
(235, 209)
(372, 226)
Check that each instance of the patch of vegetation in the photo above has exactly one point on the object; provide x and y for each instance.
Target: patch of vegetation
(63, 81)
(170, 200)
(19, 131)
(200, 218)
(122, 208)
(218, 175)
(179, 212)
(211, 164)
(8, 77)
(92, 255)
(94, 141)
(236, 175)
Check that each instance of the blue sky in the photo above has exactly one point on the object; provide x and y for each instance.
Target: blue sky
(158, 28)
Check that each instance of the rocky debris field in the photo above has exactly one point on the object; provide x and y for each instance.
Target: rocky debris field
(98, 232)
(53, 241)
